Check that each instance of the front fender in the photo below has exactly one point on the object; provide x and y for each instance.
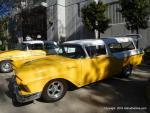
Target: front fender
(38, 84)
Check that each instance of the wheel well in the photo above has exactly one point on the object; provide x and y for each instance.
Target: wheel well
(6, 60)
(128, 65)
(70, 85)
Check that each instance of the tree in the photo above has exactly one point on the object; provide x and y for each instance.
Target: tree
(4, 31)
(136, 14)
(94, 18)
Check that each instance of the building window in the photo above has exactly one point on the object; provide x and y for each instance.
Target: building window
(79, 10)
(113, 13)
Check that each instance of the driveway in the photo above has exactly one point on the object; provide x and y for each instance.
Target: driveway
(113, 95)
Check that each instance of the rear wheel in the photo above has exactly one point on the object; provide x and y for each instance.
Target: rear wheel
(126, 71)
(5, 66)
(54, 90)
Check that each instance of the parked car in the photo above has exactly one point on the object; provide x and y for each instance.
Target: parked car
(80, 63)
(26, 51)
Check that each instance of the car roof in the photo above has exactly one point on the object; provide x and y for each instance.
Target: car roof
(39, 42)
(33, 42)
(132, 35)
(50, 42)
(86, 42)
(109, 40)
(102, 41)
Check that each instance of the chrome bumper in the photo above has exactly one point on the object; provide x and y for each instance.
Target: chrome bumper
(22, 98)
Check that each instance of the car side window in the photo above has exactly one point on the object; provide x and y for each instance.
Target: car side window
(127, 46)
(97, 50)
(115, 47)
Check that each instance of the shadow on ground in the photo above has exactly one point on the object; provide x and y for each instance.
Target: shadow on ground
(98, 97)
(118, 92)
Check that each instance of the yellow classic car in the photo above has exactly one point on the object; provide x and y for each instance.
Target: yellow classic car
(79, 63)
(26, 51)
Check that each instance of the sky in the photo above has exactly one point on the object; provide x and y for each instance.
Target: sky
(5, 7)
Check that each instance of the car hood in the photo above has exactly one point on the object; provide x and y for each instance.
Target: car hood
(42, 68)
(10, 54)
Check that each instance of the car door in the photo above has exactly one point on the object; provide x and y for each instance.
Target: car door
(116, 57)
(74, 54)
(97, 66)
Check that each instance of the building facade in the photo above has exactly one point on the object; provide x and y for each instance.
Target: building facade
(61, 20)
(64, 21)
(118, 24)
(65, 16)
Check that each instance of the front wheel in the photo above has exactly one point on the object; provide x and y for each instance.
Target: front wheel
(5, 66)
(126, 71)
(54, 90)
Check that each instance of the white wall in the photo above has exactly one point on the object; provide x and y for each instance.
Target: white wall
(61, 18)
(52, 30)
(120, 29)
(74, 25)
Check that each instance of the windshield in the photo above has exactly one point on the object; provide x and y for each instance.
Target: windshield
(20, 47)
(35, 46)
(71, 51)
(26, 46)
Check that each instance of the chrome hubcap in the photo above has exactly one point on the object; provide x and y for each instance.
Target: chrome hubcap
(55, 89)
(6, 67)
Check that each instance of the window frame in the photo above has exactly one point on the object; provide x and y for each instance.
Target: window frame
(115, 50)
(80, 46)
(95, 54)
(122, 48)
(127, 49)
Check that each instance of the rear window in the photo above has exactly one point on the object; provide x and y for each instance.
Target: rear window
(119, 47)
(96, 50)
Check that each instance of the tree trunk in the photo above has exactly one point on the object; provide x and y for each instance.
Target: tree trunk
(137, 41)
(137, 31)
(99, 34)
(132, 31)
(96, 34)
(6, 45)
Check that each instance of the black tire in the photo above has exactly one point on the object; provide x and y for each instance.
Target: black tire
(6, 67)
(126, 71)
(54, 90)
